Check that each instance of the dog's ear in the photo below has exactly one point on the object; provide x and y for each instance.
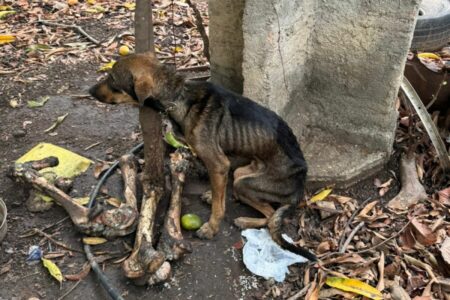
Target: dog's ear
(144, 87)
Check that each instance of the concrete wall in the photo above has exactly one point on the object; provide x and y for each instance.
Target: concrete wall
(227, 43)
(330, 68)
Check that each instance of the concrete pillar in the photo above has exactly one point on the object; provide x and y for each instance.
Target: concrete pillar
(330, 68)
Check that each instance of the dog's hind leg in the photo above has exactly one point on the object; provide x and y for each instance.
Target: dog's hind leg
(243, 192)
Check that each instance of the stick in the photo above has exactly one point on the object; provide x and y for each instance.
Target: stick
(385, 241)
(380, 285)
(350, 220)
(92, 145)
(70, 290)
(350, 237)
(33, 232)
(420, 264)
(49, 237)
(74, 27)
(201, 28)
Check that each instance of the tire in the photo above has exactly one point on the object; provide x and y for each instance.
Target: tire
(432, 31)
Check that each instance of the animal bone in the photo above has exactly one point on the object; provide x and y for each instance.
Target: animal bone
(144, 259)
(412, 190)
(109, 223)
(128, 166)
(171, 241)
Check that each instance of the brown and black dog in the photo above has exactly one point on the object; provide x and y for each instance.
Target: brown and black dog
(221, 128)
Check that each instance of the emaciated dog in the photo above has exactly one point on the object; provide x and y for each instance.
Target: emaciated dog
(221, 128)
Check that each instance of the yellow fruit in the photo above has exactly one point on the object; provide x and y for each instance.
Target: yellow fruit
(191, 222)
(72, 2)
(124, 50)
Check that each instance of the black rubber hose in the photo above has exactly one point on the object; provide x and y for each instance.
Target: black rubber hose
(105, 282)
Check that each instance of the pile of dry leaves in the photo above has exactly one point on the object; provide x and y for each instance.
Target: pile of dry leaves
(399, 254)
(35, 33)
(366, 248)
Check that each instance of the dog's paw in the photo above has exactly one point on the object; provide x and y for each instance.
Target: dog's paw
(206, 231)
(207, 197)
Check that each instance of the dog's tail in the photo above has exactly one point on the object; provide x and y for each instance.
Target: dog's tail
(275, 225)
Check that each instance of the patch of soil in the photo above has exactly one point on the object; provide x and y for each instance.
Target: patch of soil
(214, 270)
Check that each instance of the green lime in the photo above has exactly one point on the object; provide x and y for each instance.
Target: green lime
(191, 222)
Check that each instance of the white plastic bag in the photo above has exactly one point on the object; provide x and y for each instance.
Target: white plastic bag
(264, 257)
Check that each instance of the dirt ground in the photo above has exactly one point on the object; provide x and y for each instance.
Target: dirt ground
(214, 270)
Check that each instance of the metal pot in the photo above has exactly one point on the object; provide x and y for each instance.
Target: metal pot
(3, 214)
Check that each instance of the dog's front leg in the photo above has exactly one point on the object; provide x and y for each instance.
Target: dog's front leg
(218, 166)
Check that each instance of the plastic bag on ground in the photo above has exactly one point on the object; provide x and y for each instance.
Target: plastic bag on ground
(264, 257)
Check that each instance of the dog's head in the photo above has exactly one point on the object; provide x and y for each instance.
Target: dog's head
(133, 79)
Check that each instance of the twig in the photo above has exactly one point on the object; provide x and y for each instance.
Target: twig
(385, 241)
(350, 220)
(47, 236)
(427, 122)
(80, 96)
(92, 145)
(33, 231)
(350, 237)
(420, 264)
(70, 290)
(301, 293)
(29, 275)
(380, 285)
(73, 27)
(200, 28)
(326, 255)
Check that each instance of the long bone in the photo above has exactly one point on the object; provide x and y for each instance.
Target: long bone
(144, 259)
(109, 223)
(171, 241)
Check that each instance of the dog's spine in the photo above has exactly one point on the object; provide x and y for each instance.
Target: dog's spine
(275, 229)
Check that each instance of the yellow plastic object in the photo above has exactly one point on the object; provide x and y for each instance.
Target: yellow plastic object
(70, 164)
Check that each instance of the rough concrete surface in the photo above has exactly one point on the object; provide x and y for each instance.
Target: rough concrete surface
(226, 55)
(330, 68)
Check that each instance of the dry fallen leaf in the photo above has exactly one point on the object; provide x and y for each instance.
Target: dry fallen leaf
(94, 240)
(53, 269)
(424, 235)
(428, 55)
(58, 121)
(355, 286)
(114, 202)
(321, 195)
(107, 66)
(444, 196)
(364, 214)
(81, 200)
(7, 38)
(81, 275)
(445, 250)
